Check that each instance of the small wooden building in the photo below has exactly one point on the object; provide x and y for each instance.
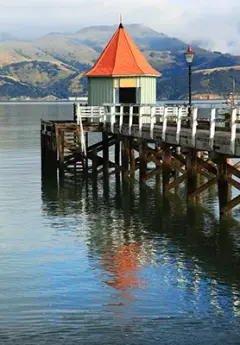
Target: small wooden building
(121, 74)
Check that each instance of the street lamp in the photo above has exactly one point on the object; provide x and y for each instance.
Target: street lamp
(189, 55)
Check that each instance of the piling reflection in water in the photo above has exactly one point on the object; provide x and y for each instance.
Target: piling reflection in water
(148, 245)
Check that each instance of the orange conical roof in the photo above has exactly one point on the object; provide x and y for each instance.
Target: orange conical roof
(121, 57)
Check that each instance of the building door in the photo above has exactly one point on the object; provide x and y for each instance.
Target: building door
(127, 95)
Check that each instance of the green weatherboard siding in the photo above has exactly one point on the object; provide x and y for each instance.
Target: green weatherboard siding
(148, 90)
(100, 90)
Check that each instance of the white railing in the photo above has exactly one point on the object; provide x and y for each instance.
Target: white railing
(169, 124)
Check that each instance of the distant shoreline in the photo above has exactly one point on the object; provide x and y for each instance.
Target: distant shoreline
(177, 101)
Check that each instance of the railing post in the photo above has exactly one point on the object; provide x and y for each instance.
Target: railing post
(212, 128)
(152, 120)
(78, 113)
(179, 120)
(105, 116)
(194, 125)
(92, 119)
(121, 118)
(74, 112)
(233, 129)
(100, 114)
(140, 120)
(112, 118)
(164, 126)
(130, 119)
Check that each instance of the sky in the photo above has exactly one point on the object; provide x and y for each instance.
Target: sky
(214, 23)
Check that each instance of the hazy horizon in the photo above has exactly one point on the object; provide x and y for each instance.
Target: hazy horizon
(214, 25)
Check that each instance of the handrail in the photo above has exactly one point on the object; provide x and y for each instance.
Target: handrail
(171, 123)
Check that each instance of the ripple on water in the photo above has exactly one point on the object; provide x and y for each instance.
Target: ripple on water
(98, 264)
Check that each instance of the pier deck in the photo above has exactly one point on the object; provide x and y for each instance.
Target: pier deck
(149, 140)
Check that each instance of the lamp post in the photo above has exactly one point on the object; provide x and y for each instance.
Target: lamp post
(189, 55)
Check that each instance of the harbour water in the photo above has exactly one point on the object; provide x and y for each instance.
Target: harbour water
(108, 262)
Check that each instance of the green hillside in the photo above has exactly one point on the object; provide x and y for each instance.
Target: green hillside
(53, 65)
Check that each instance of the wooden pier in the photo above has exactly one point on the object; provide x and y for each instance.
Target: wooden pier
(144, 142)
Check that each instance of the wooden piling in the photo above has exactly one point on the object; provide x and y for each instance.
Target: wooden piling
(125, 154)
(61, 152)
(142, 160)
(43, 145)
(132, 159)
(191, 167)
(94, 161)
(86, 158)
(75, 112)
(117, 151)
(166, 166)
(158, 176)
(223, 185)
(105, 152)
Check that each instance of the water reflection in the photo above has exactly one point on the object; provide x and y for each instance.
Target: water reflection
(142, 241)
(107, 262)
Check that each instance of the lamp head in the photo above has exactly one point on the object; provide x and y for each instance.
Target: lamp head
(189, 55)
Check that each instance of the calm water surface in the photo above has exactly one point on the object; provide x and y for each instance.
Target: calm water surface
(107, 262)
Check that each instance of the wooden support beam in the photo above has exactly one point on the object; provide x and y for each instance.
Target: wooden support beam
(61, 151)
(75, 112)
(158, 178)
(142, 160)
(205, 186)
(125, 154)
(94, 158)
(191, 167)
(223, 186)
(43, 145)
(166, 166)
(207, 165)
(105, 151)
(86, 158)
(154, 159)
(237, 165)
(230, 205)
(179, 157)
(232, 170)
(152, 173)
(117, 151)
(176, 182)
(99, 145)
(234, 183)
(132, 159)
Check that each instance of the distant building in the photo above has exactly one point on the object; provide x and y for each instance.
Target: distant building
(121, 74)
(78, 99)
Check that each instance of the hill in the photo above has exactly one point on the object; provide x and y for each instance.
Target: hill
(53, 65)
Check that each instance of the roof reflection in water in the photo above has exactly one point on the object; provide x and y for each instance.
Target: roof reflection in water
(130, 229)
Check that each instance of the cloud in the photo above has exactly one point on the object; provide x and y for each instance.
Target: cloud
(216, 23)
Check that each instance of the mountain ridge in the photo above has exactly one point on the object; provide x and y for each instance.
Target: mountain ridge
(71, 54)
